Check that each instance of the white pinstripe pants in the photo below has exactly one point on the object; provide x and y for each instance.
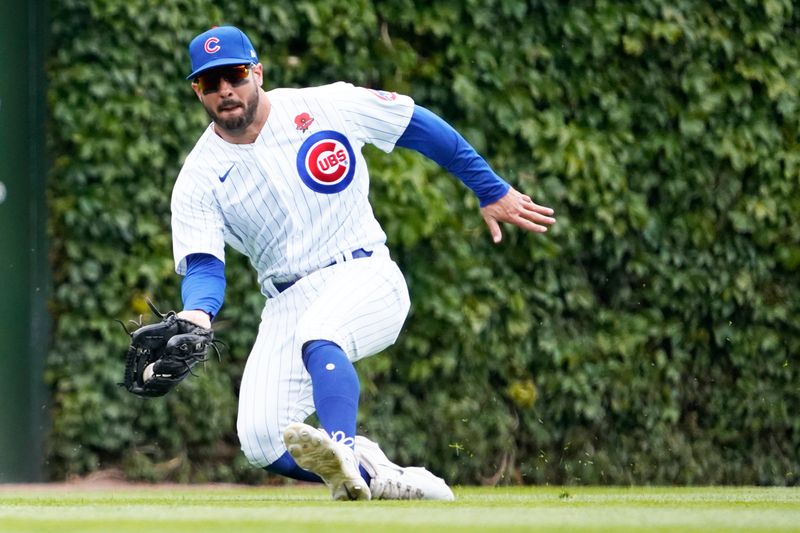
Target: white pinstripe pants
(359, 304)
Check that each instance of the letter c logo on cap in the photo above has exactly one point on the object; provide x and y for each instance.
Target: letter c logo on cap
(211, 45)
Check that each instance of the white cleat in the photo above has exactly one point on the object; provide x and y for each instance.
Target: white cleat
(393, 482)
(334, 462)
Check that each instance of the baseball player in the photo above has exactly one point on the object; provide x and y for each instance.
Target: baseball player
(279, 176)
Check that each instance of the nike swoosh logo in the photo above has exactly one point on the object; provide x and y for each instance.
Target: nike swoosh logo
(225, 176)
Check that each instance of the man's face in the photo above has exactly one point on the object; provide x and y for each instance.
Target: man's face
(230, 95)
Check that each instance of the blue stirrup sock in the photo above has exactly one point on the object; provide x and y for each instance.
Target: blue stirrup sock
(336, 391)
(286, 466)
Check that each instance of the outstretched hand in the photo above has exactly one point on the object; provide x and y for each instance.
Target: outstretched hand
(518, 209)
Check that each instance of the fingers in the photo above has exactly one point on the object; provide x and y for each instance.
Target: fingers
(527, 224)
(529, 205)
(494, 229)
(530, 216)
(538, 217)
(540, 209)
(518, 209)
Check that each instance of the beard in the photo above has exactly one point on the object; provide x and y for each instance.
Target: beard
(238, 124)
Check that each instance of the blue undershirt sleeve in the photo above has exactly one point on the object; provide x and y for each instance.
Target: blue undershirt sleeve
(203, 286)
(434, 138)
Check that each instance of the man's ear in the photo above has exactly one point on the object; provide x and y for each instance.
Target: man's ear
(196, 90)
(258, 72)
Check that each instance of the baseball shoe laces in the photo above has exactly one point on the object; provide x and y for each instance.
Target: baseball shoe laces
(393, 482)
(333, 461)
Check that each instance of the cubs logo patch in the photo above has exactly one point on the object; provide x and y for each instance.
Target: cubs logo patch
(303, 121)
(211, 45)
(326, 162)
(384, 95)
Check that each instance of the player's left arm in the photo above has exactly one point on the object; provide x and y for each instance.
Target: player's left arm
(202, 288)
(430, 135)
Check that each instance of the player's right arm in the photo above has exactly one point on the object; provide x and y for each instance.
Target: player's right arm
(198, 247)
(202, 289)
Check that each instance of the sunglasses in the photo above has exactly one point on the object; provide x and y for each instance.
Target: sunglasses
(208, 82)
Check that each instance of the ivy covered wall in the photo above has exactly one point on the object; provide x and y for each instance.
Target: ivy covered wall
(650, 337)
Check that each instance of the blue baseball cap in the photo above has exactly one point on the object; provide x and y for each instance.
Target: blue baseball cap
(219, 47)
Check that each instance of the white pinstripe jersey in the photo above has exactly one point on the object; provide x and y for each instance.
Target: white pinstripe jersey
(296, 199)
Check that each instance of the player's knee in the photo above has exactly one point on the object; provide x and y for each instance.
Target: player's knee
(308, 330)
(261, 441)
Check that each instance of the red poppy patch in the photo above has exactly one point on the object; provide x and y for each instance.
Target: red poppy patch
(303, 121)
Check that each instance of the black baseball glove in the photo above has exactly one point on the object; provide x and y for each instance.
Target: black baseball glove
(161, 355)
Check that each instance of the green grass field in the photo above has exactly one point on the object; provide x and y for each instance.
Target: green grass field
(139, 509)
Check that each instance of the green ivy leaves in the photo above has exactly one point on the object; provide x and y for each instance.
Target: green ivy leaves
(651, 336)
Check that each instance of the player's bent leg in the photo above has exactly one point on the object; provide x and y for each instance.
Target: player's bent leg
(392, 482)
(261, 419)
(359, 305)
(275, 388)
(334, 462)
